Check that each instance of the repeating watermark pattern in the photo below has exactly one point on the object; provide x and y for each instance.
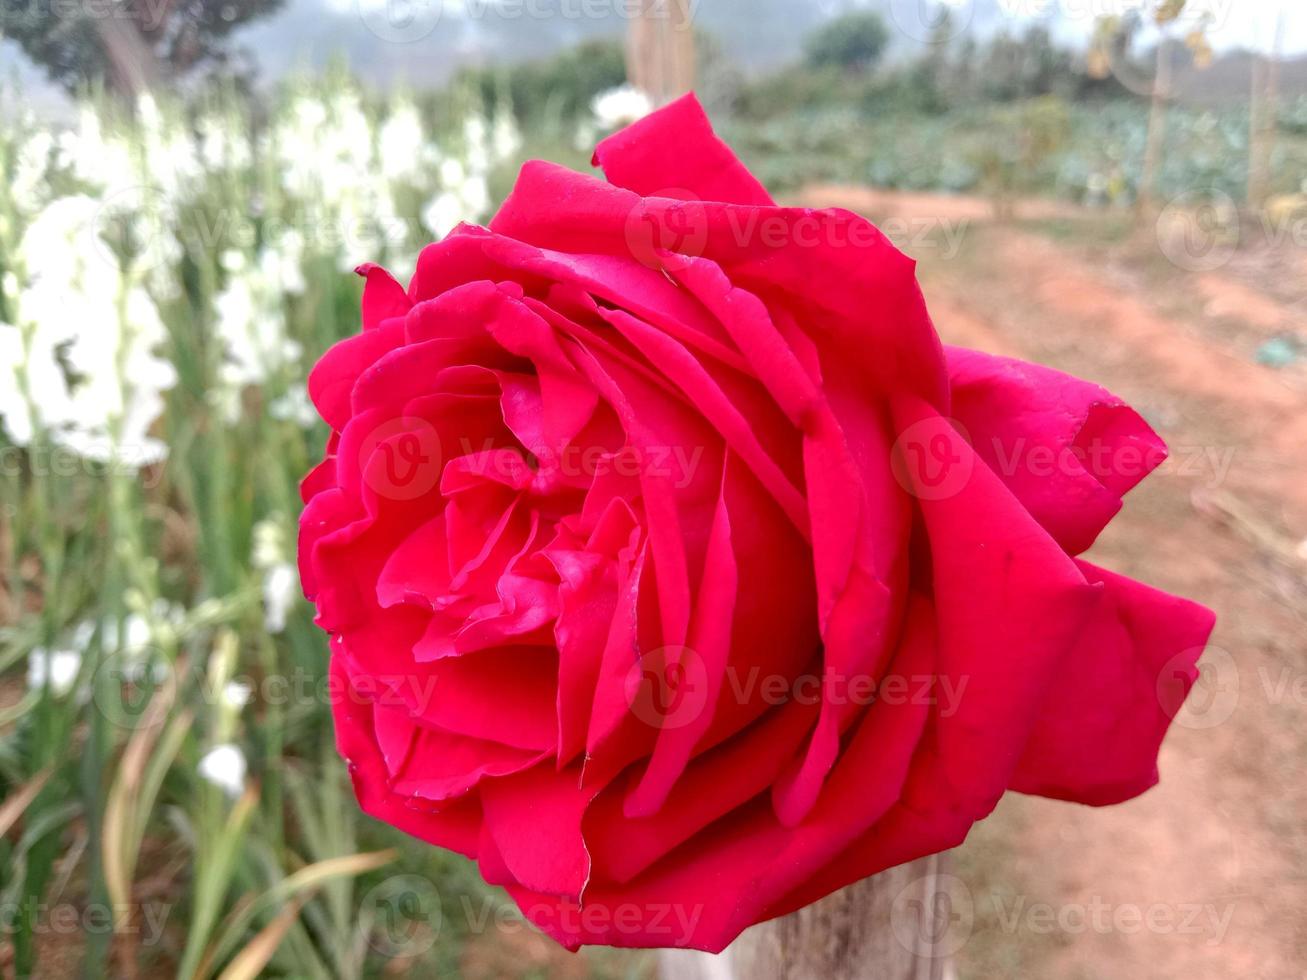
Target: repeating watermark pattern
(407, 21)
(404, 459)
(133, 221)
(1199, 231)
(149, 14)
(145, 921)
(669, 688)
(1219, 688)
(667, 235)
(1283, 686)
(674, 921)
(933, 916)
(672, 227)
(936, 916)
(1214, 695)
(929, 463)
(932, 21)
(404, 916)
(1206, 919)
(125, 683)
(401, 459)
(1202, 230)
(139, 461)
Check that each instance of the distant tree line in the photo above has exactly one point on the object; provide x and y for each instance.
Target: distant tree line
(126, 45)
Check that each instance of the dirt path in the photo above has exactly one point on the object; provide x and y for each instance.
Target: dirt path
(1205, 876)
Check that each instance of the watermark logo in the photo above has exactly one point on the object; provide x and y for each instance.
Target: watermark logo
(668, 234)
(667, 688)
(125, 683)
(927, 21)
(1214, 694)
(133, 224)
(928, 462)
(1199, 231)
(400, 21)
(401, 459)
(933, 916)
(402, 916)
(1102, 917)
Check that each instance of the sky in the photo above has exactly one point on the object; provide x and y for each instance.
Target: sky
(1249, 24)
(757, 33)
(1231, 23)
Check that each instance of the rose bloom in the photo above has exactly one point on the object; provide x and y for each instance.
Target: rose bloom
(676, 573)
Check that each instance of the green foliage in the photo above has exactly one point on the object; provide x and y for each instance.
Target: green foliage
(166, 569)
(90, 43)
(854, 42)
(1017, 160)
(558, 88)
(1098, 159)
(1013, 68)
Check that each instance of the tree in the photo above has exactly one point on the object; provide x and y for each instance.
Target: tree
(852, 43)
(129, 45)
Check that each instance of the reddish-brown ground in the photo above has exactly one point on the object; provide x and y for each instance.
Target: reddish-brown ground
(1206, 875)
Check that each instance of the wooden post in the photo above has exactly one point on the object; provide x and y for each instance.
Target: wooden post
(1263, 112)
(1145, 204)
(660, 50)
(897, 925)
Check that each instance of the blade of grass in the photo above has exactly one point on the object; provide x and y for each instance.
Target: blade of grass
(248, 963)
(13, 808)
(131, 797)
(312, 877)
(213, 877)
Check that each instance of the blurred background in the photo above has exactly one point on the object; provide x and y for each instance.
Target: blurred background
(1117, 188)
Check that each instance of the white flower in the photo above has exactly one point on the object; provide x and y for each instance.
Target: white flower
(443, 214)
(401, 143)
(269, 544)
(282, 263)
(251, 320)
(58, 668)
(620, 106)
(29, 184)
(75, 309)
(280, 579)
(13, 405)
(235, 695)
(475, 196)
(224, 767)
(506, 139)
(94, 158)
(452, 173)
(280, 587)
(294, 406)
(224, 143)
(476, 143)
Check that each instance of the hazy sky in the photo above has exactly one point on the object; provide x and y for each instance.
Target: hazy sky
(1232, 23)
(757, 33)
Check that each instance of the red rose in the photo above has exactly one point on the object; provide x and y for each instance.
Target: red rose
(676, 573)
